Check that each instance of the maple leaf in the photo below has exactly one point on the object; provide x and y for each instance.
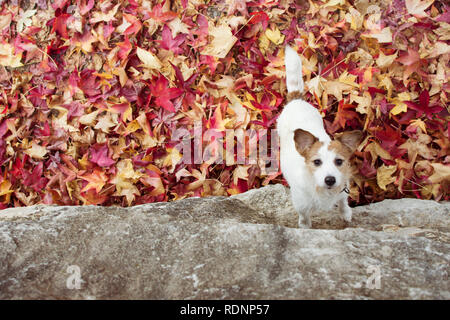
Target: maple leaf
(133, 25)
(34, 178)
(423, 106)
(85, 7)
(222, 41)
(89, 83)
(345, 113)
(24, 20)
(97, 179)
(441, 173)
(149, 59)
(160, 15)
(259, 17)
(417, 7)
(412, 62)
(101, 156)
(170, 43)
(153, 179)
(163, 94)
(124, 180)
(7, 56)
(385, 176)
(106, 17)
(60, 25)
(36, 151)
(105, 122)
(91, 197)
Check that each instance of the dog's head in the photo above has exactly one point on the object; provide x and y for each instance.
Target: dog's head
(329, 163)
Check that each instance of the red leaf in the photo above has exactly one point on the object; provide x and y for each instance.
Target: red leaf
(60, 25)
(160, 16)
(125, 48)
(136, 25)
(89, 83)
(85, 8)
(169, 43)
(163, 94)
(259, 16)
(100, 156)
(35, 179)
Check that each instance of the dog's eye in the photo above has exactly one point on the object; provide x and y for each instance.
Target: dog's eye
(338, 162)
(317, 162)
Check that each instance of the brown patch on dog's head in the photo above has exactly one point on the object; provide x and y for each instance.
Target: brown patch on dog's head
(344, 145)
(304, 141)
(308, 146)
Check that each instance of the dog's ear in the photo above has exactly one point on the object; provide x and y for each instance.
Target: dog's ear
(303, 140)
(350, 139)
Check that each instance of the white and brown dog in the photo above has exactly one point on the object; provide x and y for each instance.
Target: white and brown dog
(316, 167)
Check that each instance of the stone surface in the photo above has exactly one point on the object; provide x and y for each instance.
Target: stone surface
(241, 247)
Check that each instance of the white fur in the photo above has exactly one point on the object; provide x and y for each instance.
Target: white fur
(309, 191)
(294, 81)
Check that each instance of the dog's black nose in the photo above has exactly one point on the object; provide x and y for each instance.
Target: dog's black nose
(330, 180)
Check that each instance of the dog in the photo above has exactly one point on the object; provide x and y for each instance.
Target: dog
(316, 167)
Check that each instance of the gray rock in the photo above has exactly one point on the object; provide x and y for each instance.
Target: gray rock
(241, 247)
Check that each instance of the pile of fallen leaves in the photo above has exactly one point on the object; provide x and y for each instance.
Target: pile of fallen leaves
(92, 91)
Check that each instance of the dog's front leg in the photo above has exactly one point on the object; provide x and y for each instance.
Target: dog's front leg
(303, 208)
(304, 219)
(345, 209)
(304, 216)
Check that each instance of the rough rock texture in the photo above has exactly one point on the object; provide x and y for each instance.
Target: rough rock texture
(241, 247)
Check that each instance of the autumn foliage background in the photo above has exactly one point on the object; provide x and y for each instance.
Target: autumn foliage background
(91, 92)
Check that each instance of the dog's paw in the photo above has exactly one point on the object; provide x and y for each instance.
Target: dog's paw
(304, 222)
(303, 226)
(347, 214)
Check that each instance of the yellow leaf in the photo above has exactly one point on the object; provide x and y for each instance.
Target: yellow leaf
(241, 172)
(264, 42)
(275, 36)
(88, 119)
(348, 79)
(133, 126)
(383, 36)
(399, 108)
(332, 3)
(36, 151)
(149, 60)
(8, 58)
(355, 18)
(122, 75)
(384, 61)
(364, 102)
(384, 175)
(172, 158)
(222, 41)
(377, 151)
(5, 188)
(441, 173)
(419, 123)
(418, 7)
(125, 180)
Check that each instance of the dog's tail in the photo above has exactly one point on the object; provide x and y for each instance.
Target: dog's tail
(294, 78)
